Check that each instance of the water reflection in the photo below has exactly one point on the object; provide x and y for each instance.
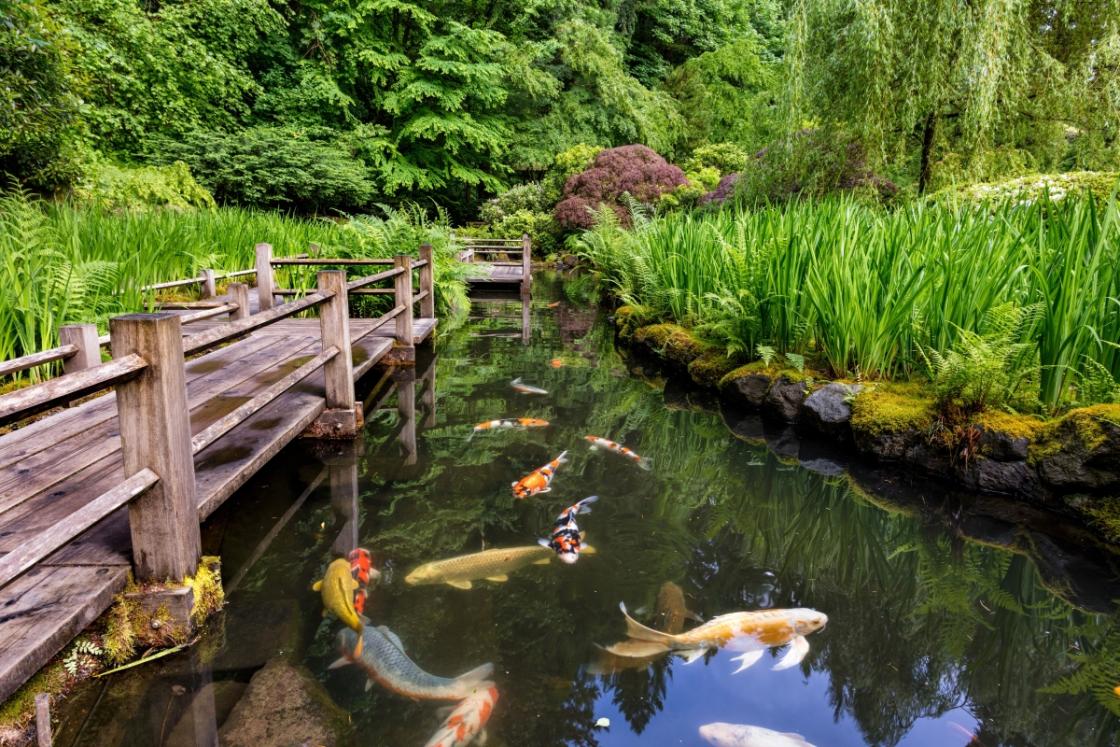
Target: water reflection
(949, 614)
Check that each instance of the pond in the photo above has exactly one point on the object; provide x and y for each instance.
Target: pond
(933, 637)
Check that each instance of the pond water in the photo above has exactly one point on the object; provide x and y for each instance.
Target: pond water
(932, 638)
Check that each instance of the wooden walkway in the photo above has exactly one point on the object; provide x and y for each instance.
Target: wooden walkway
(497, 262)
(87, 492)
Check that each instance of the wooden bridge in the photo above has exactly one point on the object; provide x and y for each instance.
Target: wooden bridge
(190, 406)
(497, 262)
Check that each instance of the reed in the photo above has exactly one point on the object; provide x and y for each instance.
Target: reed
(863, 292)
(62, 263)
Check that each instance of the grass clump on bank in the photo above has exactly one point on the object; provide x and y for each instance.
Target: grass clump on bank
(63, 263)
(1002, 305)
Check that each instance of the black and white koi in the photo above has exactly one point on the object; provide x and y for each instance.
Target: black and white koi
(566, 541)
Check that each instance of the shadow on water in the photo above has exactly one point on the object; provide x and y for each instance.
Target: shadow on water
(954, 618)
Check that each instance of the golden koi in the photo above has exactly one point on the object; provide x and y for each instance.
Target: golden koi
(539, 480)
(492, 565)
(605, 443)
(751, 633)
(519, 386)
(670, 613)
(337, 589)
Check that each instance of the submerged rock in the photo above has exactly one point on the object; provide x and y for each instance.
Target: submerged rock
(284, 705)
(829, 409)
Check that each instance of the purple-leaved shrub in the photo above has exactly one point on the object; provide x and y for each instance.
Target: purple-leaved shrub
(629, 169)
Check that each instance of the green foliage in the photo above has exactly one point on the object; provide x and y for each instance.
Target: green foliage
(986, 367)
(566, 164)
(275, 167)
(725, 158)
(1055, 187)
(40, 100)
(727, 95)
(130, 187)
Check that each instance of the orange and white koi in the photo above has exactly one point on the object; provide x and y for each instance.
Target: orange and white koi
(523, 388)
(566, 540)
(539, 480)
(490, 425)
(554, 304)
(467, 720)
(605, 443)
(751, 633)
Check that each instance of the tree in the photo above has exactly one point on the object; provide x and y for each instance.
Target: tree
(914, 77)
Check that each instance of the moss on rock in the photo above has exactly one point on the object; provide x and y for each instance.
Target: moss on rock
(1085, 427)
(1015, 426)
(710, 368)
(206, 583)
(672, 342)
(887, 408)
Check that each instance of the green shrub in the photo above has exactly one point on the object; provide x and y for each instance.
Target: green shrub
(129, 187)
(725, 158)
(567, 164)
(308, 170)
(524, 197)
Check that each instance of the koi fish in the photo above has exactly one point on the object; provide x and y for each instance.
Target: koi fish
(750, 633)
(744, 735)
(518, 386)
(565, 540)
(361, 568)
(511, 423)
(1116, 691)
(493, 565)
(467, 720)
(554, 304)
(605, 443)
(556, 363)
(337, 589)
(539, 480)
(672, 609)
(384, 661)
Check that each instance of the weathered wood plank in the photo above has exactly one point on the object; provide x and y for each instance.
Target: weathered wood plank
(42, 611)
(43, 544)
(24, 402)
(367, 352)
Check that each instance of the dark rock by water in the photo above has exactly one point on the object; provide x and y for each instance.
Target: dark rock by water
(829, 408)
(785, 397)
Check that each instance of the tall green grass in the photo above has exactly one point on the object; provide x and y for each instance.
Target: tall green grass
(61, 263)
(866, 292)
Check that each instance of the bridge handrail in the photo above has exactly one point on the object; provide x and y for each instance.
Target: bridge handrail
(30, 400)
(211, 337)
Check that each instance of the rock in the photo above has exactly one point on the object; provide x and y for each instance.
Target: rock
(829, 410)
(782, 440)
(1001, 446)
(785, 397)
(283, 706)
(995, 476)
(1081, 451)
(748, 390)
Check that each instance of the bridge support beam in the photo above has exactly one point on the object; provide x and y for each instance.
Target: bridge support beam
(404, 344)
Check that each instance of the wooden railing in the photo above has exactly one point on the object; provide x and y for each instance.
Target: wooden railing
(149, 375)
(473, 248)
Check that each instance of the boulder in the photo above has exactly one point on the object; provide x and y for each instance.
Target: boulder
(748, 390)
(828, 410)
(284, 706)
(1002, 446)
(785, 397)
(996, 476)
(1081, 451)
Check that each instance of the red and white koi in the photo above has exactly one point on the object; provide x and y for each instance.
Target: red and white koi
(490, 425)
(467, 721)
(539, 480)
(566, 540)
(598, 442)
(362, 570)
(523, 388)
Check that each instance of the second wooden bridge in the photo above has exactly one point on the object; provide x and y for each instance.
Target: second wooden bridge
(191, 406)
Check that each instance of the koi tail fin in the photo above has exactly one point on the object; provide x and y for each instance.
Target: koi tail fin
(582, 507)
(645, 463)
(563, 458)
(639, 632)
(476, 675)
(544, 543)
(516, 381)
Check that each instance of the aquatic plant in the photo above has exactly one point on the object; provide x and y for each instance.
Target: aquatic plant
(867, 292)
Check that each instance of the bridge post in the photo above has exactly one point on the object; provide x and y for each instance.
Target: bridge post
(209, 284)
(342, 418)
(427, 282)
(526, 262)
(239, 294)
(84, 338)
(155, 433)
(404, 346)
(265, 282)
